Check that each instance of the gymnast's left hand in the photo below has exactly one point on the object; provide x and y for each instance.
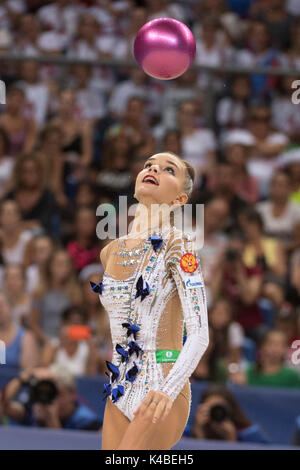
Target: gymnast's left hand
(156, 405)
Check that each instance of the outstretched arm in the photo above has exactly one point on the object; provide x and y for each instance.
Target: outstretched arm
(184, 265)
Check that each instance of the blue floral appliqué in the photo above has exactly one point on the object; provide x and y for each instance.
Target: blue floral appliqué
(156, 242)
(132, 373)
(131, 329)
(140, 291)
(97, 288)
(117, 393)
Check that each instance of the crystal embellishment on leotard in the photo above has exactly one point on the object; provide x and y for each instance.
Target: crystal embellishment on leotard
(132, 373)
(156, 241)
(114, 370)
(117, 393)
(123, 353)
(97, 288)
(133, 347)
(140, 291)
(131, 329)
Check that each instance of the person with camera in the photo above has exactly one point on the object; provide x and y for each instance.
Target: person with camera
(220, 417)
(47, 398)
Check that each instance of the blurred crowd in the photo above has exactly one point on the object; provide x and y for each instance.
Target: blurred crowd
(75, 136)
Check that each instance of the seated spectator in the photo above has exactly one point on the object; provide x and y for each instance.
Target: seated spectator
(13, 238)
(284, 118)
(21, 347)
(287, 320)
(62, 409)
(37, 93)
(172, 142)
(220, 186)
(242, 285)
(290, 162)
(84, 247)
(6, 164)
(238, 147)
(76, 132)
(57, 290)
(21, 130)
(74, 349)
(259, 52)
(228, 334)
(268, 146)
(38, 254)
(36, 202)
(14, 286)
(232, 110)
(261, 250)
(114, 177)
(279, 214)
(220, 417)
(216, 212)
(270, 369)
(27, 36)
(292, 55)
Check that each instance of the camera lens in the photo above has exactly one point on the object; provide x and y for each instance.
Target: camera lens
(44, 392)
(218, 413)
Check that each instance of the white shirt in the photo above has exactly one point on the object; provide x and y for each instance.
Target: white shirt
(282, 226)
(15, 255)
(76, 364)
(37, 95)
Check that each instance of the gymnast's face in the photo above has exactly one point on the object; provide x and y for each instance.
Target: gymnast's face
(161, 181)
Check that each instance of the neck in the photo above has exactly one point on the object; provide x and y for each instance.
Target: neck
(148, 219)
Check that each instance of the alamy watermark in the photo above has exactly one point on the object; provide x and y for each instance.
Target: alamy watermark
(296, 94)
(2, 352)
(2, 92)
(145, 218)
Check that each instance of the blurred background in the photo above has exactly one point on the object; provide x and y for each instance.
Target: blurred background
(79, 121)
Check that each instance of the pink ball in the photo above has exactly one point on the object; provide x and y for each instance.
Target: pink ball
(164, 48)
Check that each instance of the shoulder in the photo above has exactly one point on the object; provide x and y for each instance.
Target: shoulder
(104, 253)
(178, 243)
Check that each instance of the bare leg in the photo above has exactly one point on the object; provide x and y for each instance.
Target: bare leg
(115, 424)
(143, 434)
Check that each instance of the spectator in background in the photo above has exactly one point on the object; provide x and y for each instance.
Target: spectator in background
(259, 52)
(57, 290)
(220, 185)
(285, 118)
(14, 286)
(242, 285)
(53, 158)
(287, 320)
(198, 144)
(172, 142)
(36, 202)
(89, 99)
(238, 147)
(27, 36)
(76, 132)
(21, 347)
(63, 409)
(6, 164)
(279, 214)
(39, 251)
(84, 247)
(37, 93)
(210, 368)
(220, 417)
(216, 212)
(61, 15)
(228, 334)
(261, 250)
(292, 55)
(13, 237)
(21, 130)
(232, 110)
(73, 350)
(270, 369)
(279, 23)
(114, 178)
(268, 146)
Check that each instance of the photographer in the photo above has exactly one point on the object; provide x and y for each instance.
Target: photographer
(220, 417)
(47, 398)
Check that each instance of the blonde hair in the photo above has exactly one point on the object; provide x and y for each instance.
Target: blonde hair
(189, 174)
